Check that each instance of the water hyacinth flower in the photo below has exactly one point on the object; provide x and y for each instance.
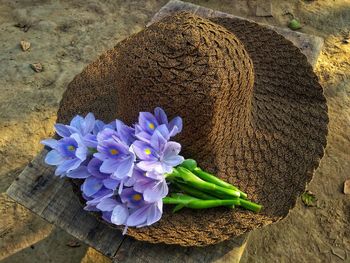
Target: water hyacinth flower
(159, 155)
(64, 154)
(148, 123)
(146, 215)
(131, 198)
(118, 160)
(78, 124)
(122, 167)
(152, 186)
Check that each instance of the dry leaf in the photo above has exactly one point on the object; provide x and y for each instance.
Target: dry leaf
(37, 67)
(347, 187)
(73, 243)
(25, 45)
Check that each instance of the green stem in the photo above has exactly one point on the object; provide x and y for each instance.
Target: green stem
(200, 204)
(191, 165)
(250, 205)
(213, 179)
(191, 179)
(194, 192)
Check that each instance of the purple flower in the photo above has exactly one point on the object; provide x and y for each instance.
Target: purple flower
(118, 159)
(94, 169)
(131, 198)
(153, 188)
(95, 199)
(120, 214)
(78, 124)
(107, 204)
(159, 156)
(125, 133)
(146, 215)
(125, 190)
(66, 154)
(108, 182)
(79, 173)
(148, 123)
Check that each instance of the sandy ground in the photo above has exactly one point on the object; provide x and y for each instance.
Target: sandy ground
(66, 35)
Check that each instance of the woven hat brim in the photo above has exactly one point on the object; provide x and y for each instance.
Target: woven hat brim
(276, 161)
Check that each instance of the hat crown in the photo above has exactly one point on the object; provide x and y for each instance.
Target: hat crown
(191, 67)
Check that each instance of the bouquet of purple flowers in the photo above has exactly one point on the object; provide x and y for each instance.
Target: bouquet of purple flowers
(126, 170)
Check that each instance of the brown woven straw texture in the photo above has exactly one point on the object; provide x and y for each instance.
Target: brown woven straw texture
(254, 113)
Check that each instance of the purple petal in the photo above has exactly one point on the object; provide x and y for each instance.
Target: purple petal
(107, 204)
(158, 140)
(147, 122)
(126, 133)
(91, 185)
(112, 149)
(138, 217)
(146, 215)
(94, 168)
(171, 149)
(91, 208)
(148, 165)
(160, 115)
(52, 143)
(143, 136)
(81, 172)
(89, 123)
(54, 158)
(90, 140)
(109, 166)
(142, 183)
(76, 123)
(106, 215)
(144, 151)
(100, 195)
(67, 166)
(155, 212)
(124, 169)
(67, 147)
(119, 215)
(106, 134)
(175, 126)
(173, 160)
(111, 183)
(156, 192)
(154, 175)
(62, 130)
(82, 151)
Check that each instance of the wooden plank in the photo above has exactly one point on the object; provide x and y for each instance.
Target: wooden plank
(133, 251)
(53, 199)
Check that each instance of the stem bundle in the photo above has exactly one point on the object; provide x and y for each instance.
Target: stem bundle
(204, 190)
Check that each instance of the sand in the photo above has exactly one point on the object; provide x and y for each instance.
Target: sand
(67, 35)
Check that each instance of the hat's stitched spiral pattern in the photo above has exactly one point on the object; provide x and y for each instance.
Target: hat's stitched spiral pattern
(254, 113)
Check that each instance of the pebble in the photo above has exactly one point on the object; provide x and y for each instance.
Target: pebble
(25, 45)
(347, 187)
(294, 24)
(37, 67)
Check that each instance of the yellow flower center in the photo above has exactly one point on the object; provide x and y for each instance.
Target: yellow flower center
(148, 151)
(114, 151)
(71, 148)
(136, 197)
(151, 126)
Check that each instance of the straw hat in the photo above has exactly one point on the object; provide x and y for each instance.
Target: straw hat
(254, 113)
